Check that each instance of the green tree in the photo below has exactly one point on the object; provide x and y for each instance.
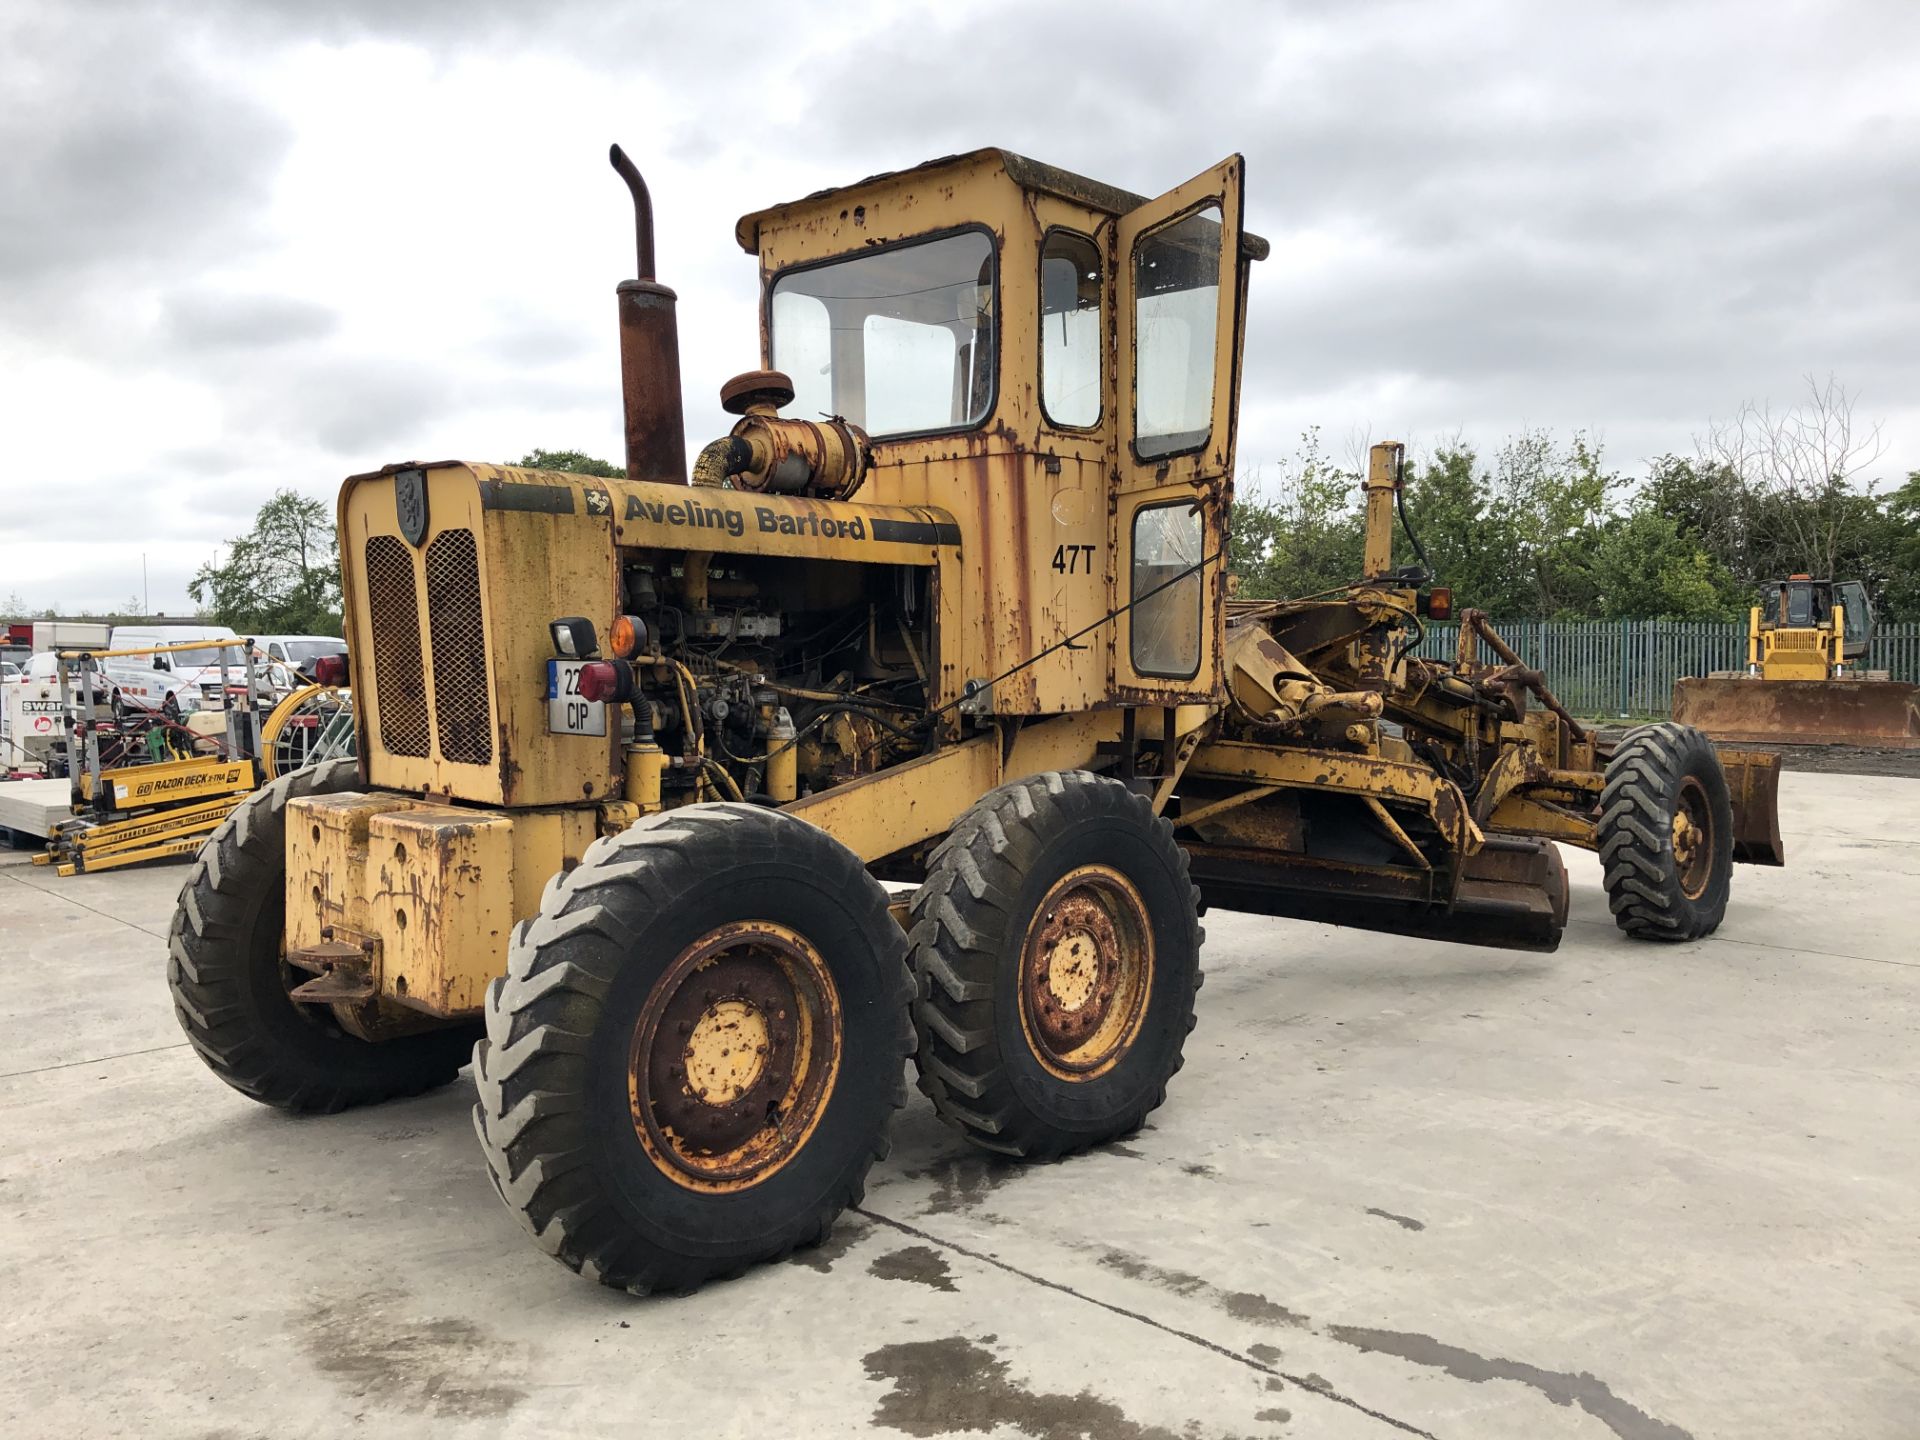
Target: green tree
(282, 577)
(1645, 567)
(1471, 544)
(1900, 593)
(574, 462)
(1300, 534)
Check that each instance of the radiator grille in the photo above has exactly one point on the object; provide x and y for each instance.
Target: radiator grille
(398, 678)
(461, 713)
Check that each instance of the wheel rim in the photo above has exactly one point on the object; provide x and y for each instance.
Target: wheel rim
(734, 1056)
(1693, 838)
(1086, 971)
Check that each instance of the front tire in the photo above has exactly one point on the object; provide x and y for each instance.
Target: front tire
(1666, 834)
(230, 985)
(692, 1060)
(1056, 950)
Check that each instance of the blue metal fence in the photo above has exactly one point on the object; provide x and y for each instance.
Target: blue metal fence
(1627, 667)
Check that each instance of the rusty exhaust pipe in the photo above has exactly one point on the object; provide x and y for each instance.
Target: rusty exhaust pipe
(649, 353)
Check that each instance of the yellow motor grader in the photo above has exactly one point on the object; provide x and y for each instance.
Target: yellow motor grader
(947, 605)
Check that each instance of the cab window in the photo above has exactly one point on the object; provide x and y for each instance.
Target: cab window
(1166, 592)
(899, 341)
(1176, 283)
(1072, 341)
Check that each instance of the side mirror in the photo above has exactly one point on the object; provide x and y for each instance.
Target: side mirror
(160, 662)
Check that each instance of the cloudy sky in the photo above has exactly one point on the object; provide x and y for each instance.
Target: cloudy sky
(255, 243)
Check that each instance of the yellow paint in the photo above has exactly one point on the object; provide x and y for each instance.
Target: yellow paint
(437, 888)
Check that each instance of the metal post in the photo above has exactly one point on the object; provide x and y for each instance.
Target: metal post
(88, 706)
(66, 712)
(250, 739)
(1623, 667)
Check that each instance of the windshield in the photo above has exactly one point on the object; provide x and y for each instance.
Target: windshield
(300, 652)
(899, 341)
(199, 655)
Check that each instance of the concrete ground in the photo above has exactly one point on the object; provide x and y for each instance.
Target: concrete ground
(1400, 1188)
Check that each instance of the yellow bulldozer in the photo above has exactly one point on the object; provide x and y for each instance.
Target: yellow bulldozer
(946, 606)
(1803, 684)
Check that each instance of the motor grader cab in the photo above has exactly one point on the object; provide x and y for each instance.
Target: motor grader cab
(946, 605)
(1804, 683)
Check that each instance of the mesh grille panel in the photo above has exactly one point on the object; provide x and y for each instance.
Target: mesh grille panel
(460, 709)
(399, 682)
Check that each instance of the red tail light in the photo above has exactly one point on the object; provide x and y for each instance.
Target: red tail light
(599, 681)
(330, 669)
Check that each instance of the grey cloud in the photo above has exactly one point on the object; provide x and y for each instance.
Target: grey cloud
(199, 319)
(124, 156)
(357, 406)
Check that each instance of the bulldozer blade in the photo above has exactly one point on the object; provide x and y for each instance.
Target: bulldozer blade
(1877, 713)
(1753, 784)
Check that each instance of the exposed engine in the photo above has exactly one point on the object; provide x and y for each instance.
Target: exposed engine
(771, 677)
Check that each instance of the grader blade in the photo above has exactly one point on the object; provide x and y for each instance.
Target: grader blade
(1753, 784)
(1878, 713)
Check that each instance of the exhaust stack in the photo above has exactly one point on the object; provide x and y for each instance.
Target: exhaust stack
(649, 353)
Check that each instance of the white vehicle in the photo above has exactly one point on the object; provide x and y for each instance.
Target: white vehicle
(69, 635)
(122, 684)
(9, 671)
(197, 667)
(298, 652)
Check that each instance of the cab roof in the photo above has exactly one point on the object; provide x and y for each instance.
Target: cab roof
(1033, 175)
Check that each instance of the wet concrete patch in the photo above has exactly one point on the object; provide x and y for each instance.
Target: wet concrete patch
(1562, 1387)
(442, 1366)
(847, 1232)
(1405, 1222)
(1241, 1304)
(960, 1184)
(917, 1264)
(956, 1384)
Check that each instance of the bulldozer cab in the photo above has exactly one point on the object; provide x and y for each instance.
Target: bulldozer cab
(1827, 621)
(1053, 363)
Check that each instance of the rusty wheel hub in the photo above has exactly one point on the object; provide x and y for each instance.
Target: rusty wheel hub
(1692, 839)
(734, 1056)
(1085, 972)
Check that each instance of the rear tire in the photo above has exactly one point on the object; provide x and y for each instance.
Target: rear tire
(230, 986)
(691, 1063)
(1666, 834)
(1056, 952)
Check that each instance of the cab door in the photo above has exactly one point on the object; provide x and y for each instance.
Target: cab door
(1180, 271)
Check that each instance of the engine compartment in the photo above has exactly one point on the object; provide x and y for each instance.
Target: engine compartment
(755, 657)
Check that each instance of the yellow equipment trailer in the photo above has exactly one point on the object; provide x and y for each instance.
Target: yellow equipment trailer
(1804, 684)
(946, 605)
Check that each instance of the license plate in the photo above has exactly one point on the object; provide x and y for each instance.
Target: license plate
(567, 713)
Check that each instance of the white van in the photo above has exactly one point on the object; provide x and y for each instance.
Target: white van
(122, 684)
(300, 651)
(198, 667)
